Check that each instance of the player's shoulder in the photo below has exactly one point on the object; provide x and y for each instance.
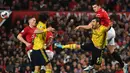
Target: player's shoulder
(103, 27)
(49, 33)
(102, 10)
(26, 28)
(40, 24)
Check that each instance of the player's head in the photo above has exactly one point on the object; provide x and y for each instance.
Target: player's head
(96, 5)
(32, 21)
(43, 17)
(95, 23)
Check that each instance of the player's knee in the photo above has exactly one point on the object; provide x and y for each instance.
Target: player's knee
(96, 67)
(37, 68)
(78, 46)
(49, 66)
(111, 48)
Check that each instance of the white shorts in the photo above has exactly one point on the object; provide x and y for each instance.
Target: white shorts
(29, 54)
(111, 36)
(50, 54)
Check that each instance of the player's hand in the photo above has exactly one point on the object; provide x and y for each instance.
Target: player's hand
(77, 28)
(50, 29)
(28, 44)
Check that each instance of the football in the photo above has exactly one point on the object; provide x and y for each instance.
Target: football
(4, 14)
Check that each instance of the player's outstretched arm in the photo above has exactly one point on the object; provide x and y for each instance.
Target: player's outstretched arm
(44, 30)
(89, 26)
(39, 31)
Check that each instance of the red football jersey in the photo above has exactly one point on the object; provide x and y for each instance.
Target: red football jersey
(48, 36)
(27, 33)
(103, 15)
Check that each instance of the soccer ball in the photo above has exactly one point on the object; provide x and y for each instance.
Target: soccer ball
(4, 14)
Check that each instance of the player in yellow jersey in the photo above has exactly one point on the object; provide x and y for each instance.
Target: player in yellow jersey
(96, 46)
(38, 55)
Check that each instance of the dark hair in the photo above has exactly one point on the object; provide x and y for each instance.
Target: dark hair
(43, 17)
(96, 2)
(30, 17)
(97, 19)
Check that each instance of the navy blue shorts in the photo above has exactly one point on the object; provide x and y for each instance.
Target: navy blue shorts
(39, 57)
(97, 54)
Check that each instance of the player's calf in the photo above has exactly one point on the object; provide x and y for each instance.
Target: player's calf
(68, 46)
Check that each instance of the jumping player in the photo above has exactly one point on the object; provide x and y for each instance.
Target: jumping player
(39, 56)
(25, 36)
(105, 20)
(98, 41)
(49, 50)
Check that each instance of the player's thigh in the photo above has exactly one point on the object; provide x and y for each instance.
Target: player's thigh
(50, 54)
(97, 56)
(111, 41)
(111, 36)
(88, 47)
(37, 68)
(111, 33)
(39, 57)
(111, 48)
(49, 66)
(29, 54)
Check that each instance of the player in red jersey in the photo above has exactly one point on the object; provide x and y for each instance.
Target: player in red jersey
(25, 36)
(49, 42)
(102, 14)
(105, 20)
(49, 50)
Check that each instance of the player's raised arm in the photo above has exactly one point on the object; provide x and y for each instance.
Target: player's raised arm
(45, 30)
(89, 26)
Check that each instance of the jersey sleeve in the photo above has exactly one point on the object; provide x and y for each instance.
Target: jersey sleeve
(24, 32)
(41, 26)
(104, 29)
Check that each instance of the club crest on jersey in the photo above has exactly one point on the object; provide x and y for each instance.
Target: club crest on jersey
(22, 31)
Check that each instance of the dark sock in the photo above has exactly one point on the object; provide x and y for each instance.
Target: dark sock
(117, 57)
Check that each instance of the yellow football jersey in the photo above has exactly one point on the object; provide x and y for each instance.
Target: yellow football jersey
(39, 40)
(99, 37)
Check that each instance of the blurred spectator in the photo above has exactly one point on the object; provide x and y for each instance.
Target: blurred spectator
(35, 6)
(28, 69)
(64, 5)
(72, 5)
(10, 67)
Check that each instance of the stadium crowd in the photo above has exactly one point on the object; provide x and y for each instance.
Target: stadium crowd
(13, 58)
(64, 5)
